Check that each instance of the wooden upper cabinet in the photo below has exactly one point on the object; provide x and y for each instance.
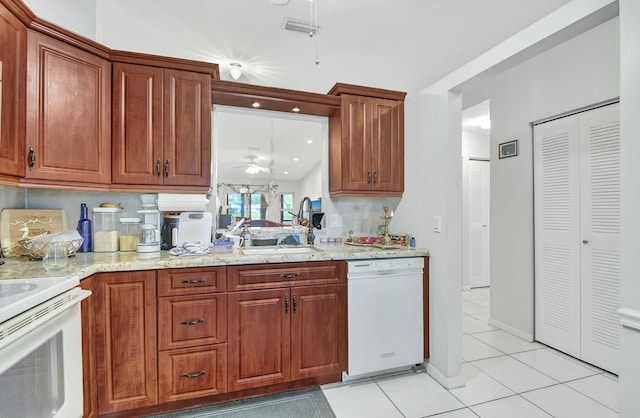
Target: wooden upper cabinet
(13, 38)
(68, 129)
(366, 143)
(161, 126)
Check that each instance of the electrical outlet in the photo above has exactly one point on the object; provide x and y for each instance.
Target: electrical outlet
(336, 221)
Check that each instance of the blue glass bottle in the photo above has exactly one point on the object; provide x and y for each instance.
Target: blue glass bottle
(85, 229)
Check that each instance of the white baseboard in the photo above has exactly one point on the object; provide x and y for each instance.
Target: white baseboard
(447, 382)
(511, 330)
(630, 318)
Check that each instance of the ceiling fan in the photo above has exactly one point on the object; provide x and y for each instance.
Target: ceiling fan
(252, 167)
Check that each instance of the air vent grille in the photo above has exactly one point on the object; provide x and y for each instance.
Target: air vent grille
(299, 26)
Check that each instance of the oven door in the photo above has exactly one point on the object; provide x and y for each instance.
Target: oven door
(41, 360)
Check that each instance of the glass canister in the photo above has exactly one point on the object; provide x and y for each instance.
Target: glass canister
(106, 229)
(129, 233)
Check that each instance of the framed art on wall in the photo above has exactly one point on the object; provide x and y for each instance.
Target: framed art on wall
(508, 149)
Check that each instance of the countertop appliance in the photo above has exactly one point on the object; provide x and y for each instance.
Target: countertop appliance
(41, 347)
(385, 316)
(195, 227)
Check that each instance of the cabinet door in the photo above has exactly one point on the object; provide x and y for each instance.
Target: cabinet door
(356, 143)
(192, 372)
(13, 37)
(318, 331)
(68, 112)
(89, 382)
(126, 349)
(137, 124)
(259, 338)
(185, 321)
(387, 145)
(187, 128)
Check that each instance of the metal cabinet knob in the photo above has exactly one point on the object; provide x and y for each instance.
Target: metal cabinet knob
(585, 241)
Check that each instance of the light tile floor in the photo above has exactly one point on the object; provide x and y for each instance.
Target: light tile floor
(505, 377)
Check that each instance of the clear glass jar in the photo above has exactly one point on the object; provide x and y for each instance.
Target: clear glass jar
(129, 233)
(106, 229)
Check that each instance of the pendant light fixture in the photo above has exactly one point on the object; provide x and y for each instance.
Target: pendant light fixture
(235, 70)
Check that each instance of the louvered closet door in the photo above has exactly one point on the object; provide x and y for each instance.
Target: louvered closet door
(600, 233)
(557, 234)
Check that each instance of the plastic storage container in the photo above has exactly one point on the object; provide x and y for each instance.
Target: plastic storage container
(106, 229)
(129, 233)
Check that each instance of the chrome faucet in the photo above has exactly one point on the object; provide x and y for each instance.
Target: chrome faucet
(306, 221)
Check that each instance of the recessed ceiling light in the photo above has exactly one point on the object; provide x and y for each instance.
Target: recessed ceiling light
(286, 172)
(309, 141)
(296, 159)
(255, 104)
(296, 109)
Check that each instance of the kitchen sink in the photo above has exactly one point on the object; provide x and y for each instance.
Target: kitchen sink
(277, 250)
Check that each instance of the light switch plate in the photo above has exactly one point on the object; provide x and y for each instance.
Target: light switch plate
(336, 221)
(437, 224)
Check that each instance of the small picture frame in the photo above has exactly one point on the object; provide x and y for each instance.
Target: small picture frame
(508, 149)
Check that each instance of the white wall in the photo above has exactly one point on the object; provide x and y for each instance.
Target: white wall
(476, 145)
(582, 71)
(311, 184)
(630, 227)
(78, 16)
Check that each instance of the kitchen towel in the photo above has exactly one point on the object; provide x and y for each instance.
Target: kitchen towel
(182, 202)
(192, 248)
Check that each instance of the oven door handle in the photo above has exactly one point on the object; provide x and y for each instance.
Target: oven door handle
(22, 324)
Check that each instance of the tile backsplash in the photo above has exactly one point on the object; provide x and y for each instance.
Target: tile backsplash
(360, 214)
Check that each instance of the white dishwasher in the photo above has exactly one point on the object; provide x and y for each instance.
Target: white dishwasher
(384, 315)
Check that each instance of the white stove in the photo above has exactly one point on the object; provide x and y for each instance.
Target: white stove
(20, 295)
(41, 347)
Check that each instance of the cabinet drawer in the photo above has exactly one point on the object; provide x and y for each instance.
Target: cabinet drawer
(261, 276)
(185, 321)
(175, 282)
(192, 373)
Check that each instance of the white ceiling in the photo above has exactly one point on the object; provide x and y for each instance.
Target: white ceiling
(401, 45)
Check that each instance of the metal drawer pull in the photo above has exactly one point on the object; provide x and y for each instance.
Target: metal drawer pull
(295, 303)
(166, 168)
(193, 281)
(286, 303)
(158, 167)
(32, 158)
(193, 375)
(289, 275)
(199, 321)
(368, 177)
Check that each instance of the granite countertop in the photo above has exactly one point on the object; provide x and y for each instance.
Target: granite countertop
(86, 264)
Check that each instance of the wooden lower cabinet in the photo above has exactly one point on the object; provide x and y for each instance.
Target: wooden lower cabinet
(126, 348)
(318, 328)
(287, 334)
(151, 338)
(259, 338)
(192, 372)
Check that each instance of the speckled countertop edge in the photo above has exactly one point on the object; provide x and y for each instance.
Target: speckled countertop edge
(84, 265)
